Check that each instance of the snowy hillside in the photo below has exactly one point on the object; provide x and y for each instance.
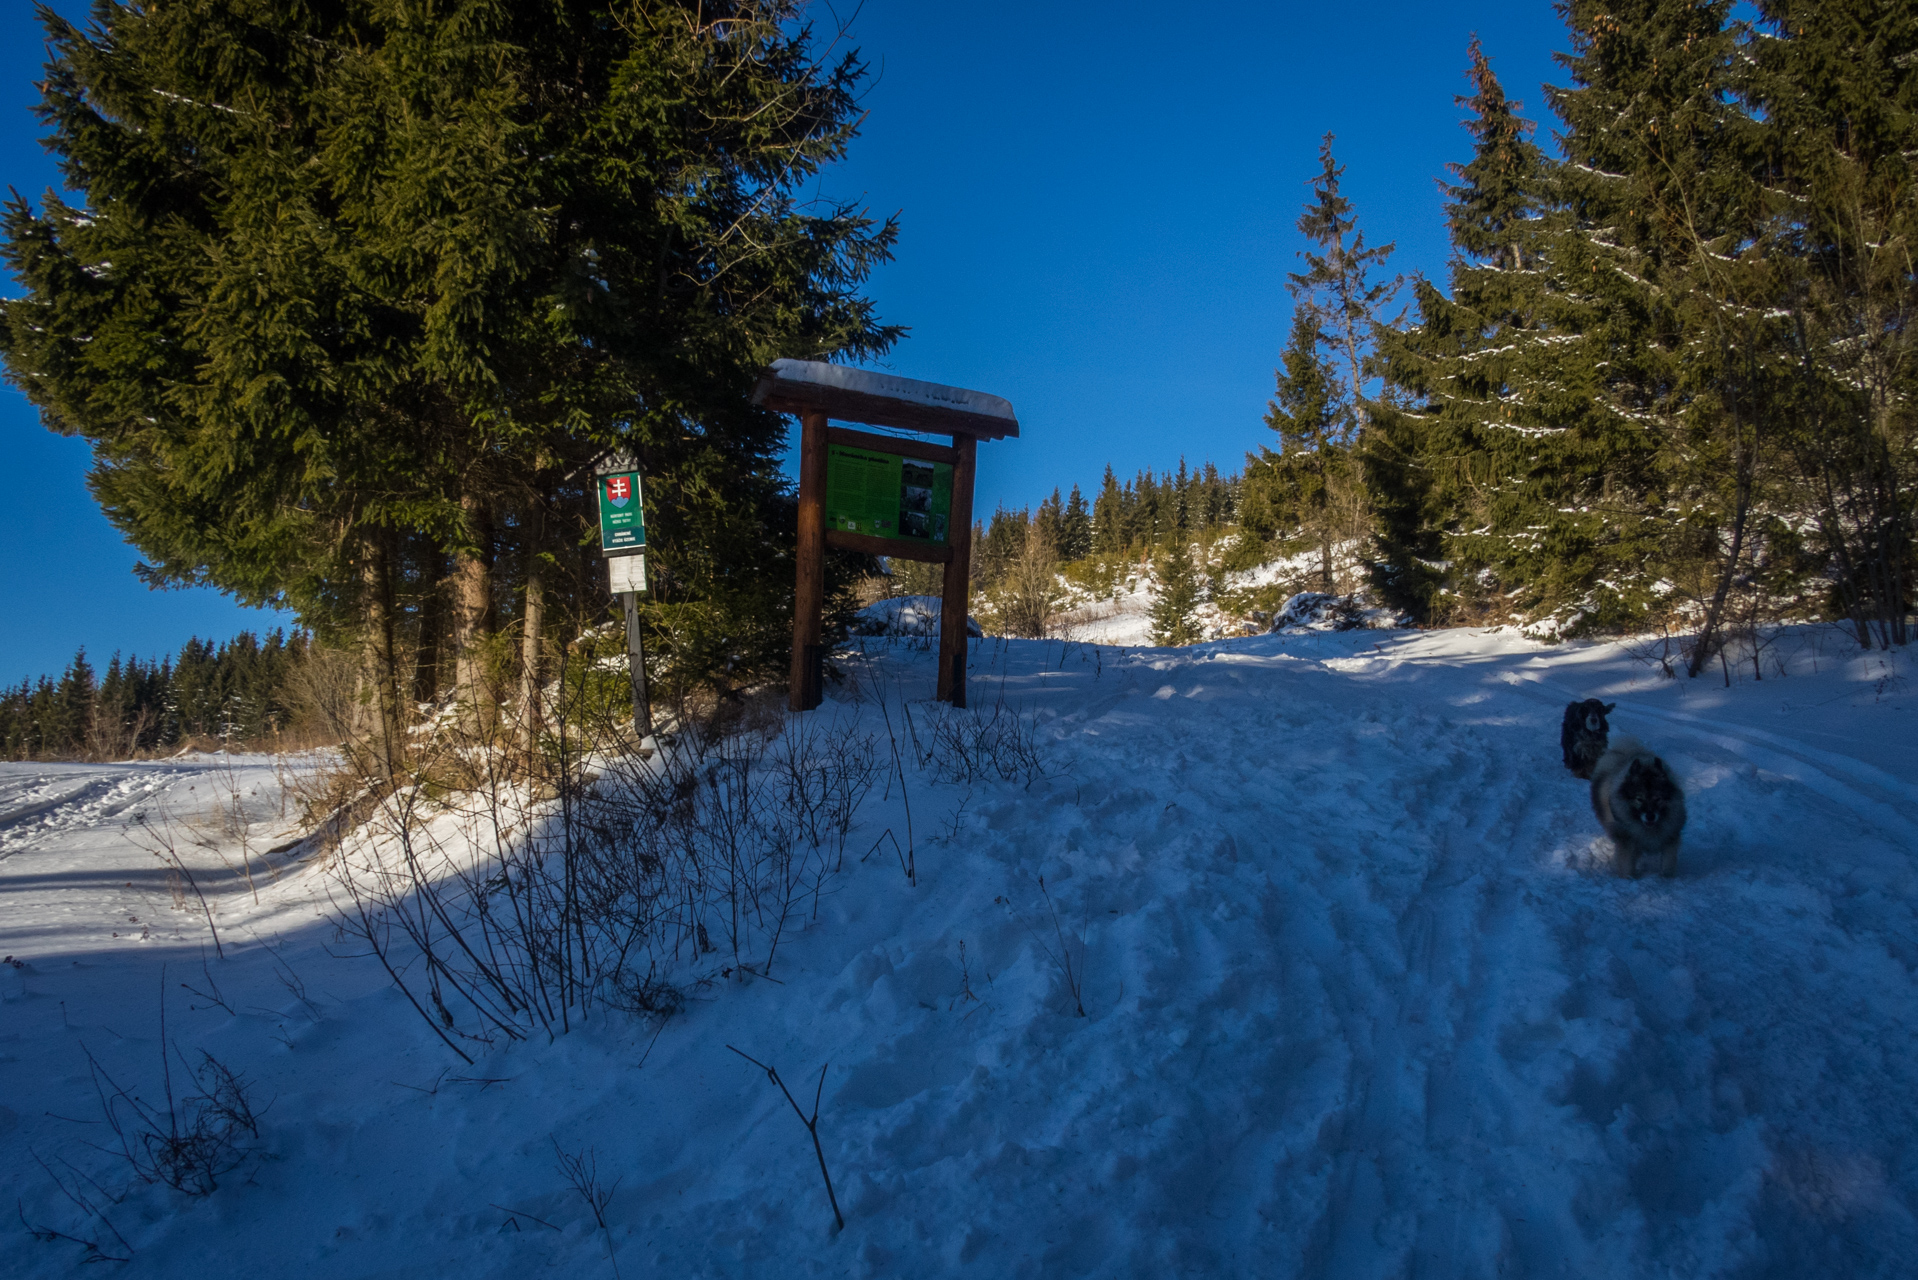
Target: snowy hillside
(1360, 998)
(1122, 615)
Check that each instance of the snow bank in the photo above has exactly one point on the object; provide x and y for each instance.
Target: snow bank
(905, 616)
(1361, 997)
(1125, 619)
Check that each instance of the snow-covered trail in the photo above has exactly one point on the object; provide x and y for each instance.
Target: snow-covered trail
(1482, 1050)
(1362, 998)
(56, 820)
(49, 799)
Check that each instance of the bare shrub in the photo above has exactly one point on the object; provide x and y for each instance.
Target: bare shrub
(507, 894)
(1655, 651)
(159, 840)
(811, 1122)
(322, 689)
(972, 744)
(86, 1195)
(1028, 599)
(1075, 976)
(188, 1142)
(581, 1171)
(108, 740)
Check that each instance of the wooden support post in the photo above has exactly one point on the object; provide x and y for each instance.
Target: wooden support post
(809, 588)
(953, 600)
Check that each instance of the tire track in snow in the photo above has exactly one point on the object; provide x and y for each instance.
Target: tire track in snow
(59, 804)
(1426, 1117)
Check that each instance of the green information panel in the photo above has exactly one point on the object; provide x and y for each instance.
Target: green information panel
(622, 524)
(884, 495)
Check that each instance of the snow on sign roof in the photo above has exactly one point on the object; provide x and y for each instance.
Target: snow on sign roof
(883, 400)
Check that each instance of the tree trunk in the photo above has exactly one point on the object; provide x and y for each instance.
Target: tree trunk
(1703, 649)
(378, 674)
(531, 624)
(1892, 543)
(1324, 521)
(472, 608)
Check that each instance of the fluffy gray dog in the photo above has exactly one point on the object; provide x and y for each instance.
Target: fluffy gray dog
(1639, 804)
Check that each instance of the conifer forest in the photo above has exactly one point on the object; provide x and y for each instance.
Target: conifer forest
(1667, 387)
(251, 689)
(357, 298)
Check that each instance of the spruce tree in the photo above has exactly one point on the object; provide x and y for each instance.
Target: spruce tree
(1050, 521)
(1175, 602)
(1077, 539)
(1108, 516)
(1836, 83)
(358, 293)
(1497, 452)
(1215, 499)
(1669, 187)
(1313, 419)
(997, 545)
(1149, 514)
(1339, 281)
(1338, 301)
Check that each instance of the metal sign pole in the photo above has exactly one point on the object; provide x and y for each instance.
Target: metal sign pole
(636, 667)
(622, 534)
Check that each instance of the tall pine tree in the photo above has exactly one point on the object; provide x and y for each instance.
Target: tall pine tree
(1341, 282)
(1667, 182)
(1313, 417)
(358, 291)
(1836, 84)
(1497, 456)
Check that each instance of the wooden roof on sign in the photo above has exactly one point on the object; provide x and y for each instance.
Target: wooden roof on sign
(882, 400)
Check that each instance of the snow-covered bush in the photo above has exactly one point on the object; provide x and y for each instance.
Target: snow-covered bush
(1322, 611)
(1319, 611)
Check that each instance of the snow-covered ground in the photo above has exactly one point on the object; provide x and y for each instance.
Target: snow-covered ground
(1361, 999)
(1124, 619)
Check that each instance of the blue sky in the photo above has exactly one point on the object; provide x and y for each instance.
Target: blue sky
(1097, 207)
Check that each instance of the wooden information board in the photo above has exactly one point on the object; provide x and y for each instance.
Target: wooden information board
(884, 495)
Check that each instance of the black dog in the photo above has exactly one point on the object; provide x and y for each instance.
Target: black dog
(1585, 735)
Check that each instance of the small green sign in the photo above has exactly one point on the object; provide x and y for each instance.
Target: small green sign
(885, 495)
(622, 522)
